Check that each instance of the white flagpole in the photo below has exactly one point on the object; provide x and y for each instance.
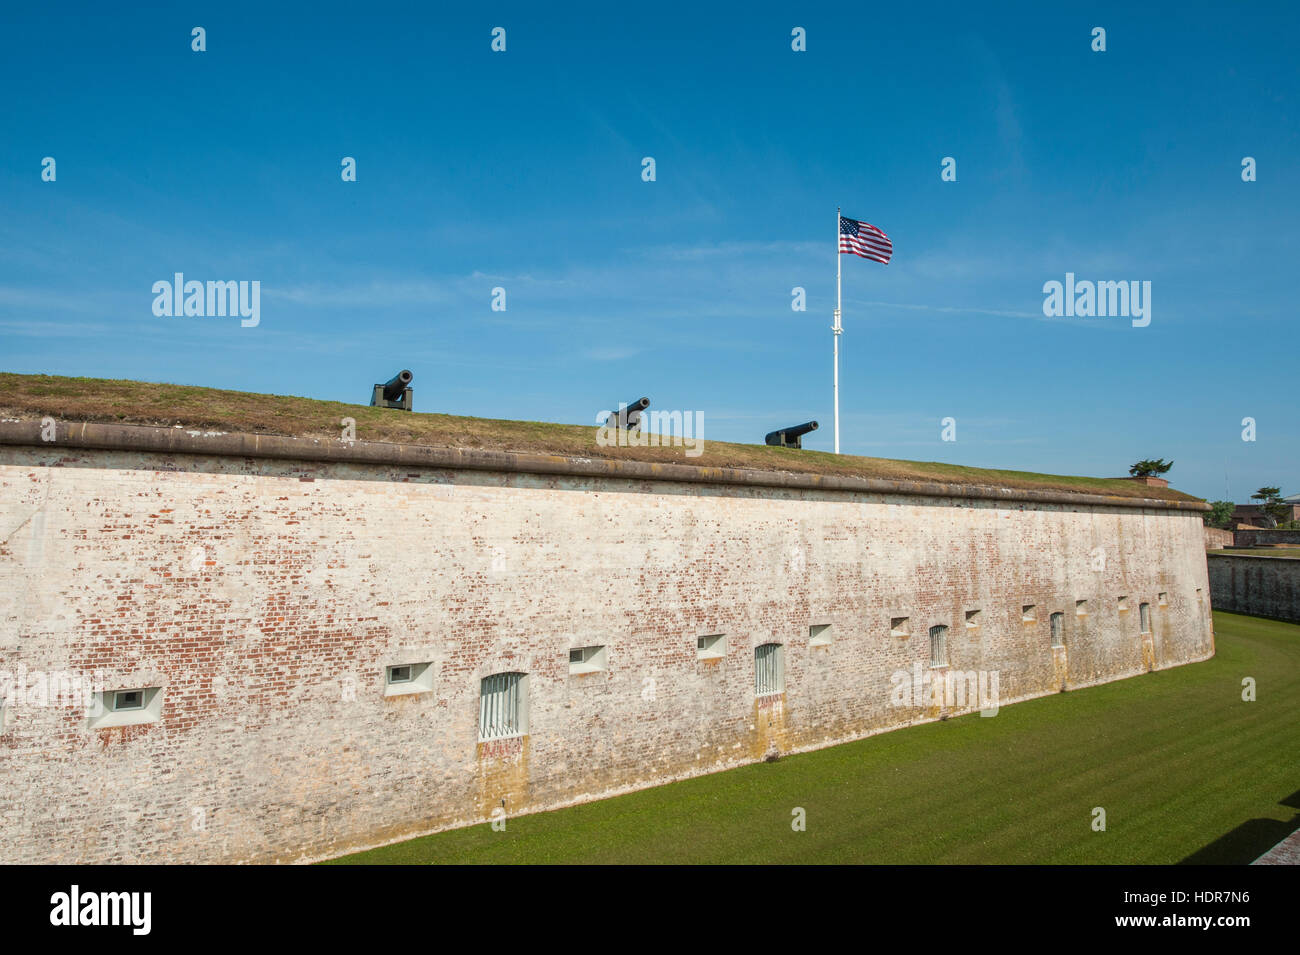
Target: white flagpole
(837, 328)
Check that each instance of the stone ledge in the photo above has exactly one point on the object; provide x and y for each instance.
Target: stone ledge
(109, 437)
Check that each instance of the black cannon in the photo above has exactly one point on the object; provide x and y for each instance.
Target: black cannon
(396, 392)
(628, 417)
(790, 437)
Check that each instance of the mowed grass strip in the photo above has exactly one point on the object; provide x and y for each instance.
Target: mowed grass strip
(1260, 551)
(1183, 767)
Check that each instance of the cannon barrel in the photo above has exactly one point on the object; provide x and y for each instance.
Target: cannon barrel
(394, 386)
(629, 416)
(785, 436)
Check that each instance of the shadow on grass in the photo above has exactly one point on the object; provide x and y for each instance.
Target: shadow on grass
(1249, 841)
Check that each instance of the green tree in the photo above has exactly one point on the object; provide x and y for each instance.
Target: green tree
(1150, 468)
(1271, 505)
(1220, 514)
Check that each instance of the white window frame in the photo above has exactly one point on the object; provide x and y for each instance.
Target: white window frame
(119, 707)
(104, 712)
(503, 706)
(820, 635)
(589, 660)
(419, 679)
(769, 669)
(712, 646)
(939, 643)
(1056, 624)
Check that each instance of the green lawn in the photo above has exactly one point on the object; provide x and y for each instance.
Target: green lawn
(1262, 551)
(1185, 770)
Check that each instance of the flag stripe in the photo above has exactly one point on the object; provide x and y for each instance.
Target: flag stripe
(865, 252)
(868, 240)
(865, 240)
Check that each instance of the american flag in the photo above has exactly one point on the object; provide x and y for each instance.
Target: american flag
(864, 239)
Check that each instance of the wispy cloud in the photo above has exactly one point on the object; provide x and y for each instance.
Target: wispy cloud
(96, 301)
(612, 353)
(1006, 115)
(732, 249)
(954, 309)
(37, 329)
(374, 294)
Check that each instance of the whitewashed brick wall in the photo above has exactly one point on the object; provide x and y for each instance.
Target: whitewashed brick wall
(266, 598)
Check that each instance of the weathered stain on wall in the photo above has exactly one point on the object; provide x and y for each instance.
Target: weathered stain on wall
(1257, 585)
(1268, 537)
(266, 598)
(1217, 538)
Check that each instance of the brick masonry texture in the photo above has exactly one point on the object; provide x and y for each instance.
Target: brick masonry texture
(1260, 586)
(1286, 852)
(1216, 538)
(266, 597)
(1267, 538)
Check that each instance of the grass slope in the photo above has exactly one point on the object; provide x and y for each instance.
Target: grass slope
(1185, 770)
(140, 403)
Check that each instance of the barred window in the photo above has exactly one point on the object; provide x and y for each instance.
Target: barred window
(939, 646)
(503, 706)
(769, 675)
(1144, 615)
(1058, 629)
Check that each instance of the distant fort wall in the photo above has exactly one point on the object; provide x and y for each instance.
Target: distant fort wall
(1257, 585)
(1217, 538)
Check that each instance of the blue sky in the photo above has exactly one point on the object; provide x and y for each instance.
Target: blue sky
(522, 170)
